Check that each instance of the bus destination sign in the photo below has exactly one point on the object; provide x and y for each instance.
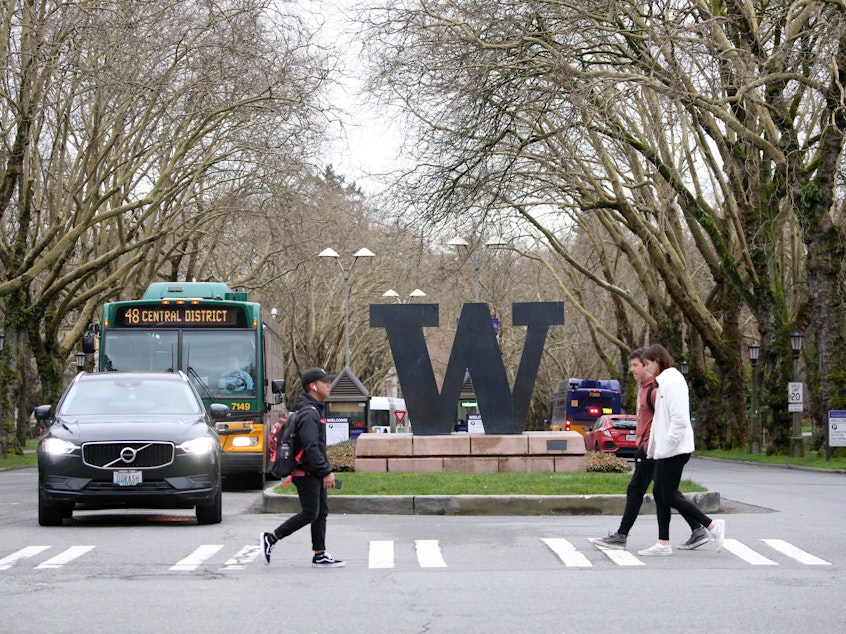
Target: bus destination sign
(181, 315)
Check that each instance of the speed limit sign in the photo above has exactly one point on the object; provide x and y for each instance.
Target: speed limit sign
(794, 396)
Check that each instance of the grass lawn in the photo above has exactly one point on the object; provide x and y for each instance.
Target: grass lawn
(26, 460)
(810, 459)
(484, 484)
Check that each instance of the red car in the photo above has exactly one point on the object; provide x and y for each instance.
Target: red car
(613, 433)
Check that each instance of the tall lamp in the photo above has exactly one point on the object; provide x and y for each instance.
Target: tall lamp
(754, 422)
(347, 271)
(475, 257)
(797, 444)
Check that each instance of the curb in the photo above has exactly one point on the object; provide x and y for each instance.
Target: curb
(707, 502)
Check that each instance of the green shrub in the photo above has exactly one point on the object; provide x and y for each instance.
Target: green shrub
(598, 462)
(342, 456)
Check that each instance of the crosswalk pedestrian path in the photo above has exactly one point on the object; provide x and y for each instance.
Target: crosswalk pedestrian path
(420, 553)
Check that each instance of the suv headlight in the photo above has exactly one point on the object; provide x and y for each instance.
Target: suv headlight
(57, 447)
(198, 446)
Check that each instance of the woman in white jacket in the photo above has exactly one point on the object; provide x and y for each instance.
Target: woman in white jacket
(670, 445)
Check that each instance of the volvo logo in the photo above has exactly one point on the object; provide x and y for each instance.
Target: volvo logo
(127, 454)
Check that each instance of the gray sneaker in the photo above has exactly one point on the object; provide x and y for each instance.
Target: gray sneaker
(614, 541)
(698, 537)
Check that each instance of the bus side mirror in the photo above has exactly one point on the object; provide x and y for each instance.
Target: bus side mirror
(277, 386)
(88, 343)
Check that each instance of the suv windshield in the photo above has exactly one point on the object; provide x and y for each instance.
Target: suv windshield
(130, 396)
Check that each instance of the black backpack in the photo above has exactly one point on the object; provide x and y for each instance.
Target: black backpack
(282, 445)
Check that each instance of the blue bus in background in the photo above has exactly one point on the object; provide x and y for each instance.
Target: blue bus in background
(579, 402)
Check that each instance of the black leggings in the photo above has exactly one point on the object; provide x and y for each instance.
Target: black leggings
(667, 473)
(314, 508)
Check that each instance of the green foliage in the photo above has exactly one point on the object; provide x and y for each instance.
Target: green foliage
(809, 194)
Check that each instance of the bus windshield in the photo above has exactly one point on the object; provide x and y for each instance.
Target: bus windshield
(219, 363)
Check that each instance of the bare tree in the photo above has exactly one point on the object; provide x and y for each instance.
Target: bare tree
(127, 129)
(679, 128)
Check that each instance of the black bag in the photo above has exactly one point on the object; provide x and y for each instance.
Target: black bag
(284, 446)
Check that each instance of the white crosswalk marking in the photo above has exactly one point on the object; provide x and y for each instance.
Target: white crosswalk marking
(621, 557)
(66, 557)
(429, 553)
(195, 559)
(244, 556)
(795, 553)
(23, 553)
(381, 554)
(747, 554)
(567, 553)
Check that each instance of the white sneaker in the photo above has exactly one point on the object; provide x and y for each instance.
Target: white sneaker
(718, 534)
(657, 549)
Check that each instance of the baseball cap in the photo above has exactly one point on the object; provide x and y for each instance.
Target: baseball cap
(316, 374)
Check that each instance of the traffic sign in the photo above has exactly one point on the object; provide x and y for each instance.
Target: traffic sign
(795, 396)
(400, 415)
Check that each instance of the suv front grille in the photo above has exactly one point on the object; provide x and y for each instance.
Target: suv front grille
(127, 455)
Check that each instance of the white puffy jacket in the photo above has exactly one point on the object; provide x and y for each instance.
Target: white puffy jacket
(672, 433)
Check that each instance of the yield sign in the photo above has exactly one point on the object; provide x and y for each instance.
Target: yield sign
(400, 414)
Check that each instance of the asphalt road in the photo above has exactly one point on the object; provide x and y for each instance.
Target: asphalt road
(782, 570)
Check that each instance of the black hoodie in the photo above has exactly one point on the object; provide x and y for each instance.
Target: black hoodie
(311, 423)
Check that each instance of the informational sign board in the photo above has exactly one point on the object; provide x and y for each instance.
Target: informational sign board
(474, 424)
(837, 428)
(794, 396)
(337, 429)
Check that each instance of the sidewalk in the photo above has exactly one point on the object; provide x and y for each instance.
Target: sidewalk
(707, 502)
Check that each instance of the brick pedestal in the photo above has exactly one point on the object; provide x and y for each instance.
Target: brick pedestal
(471, 453)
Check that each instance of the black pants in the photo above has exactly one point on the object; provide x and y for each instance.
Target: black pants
(314, 508)
(668, 472)
(644, 469)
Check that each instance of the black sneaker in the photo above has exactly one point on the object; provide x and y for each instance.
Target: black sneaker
(325, 560)
(614, 541)
(698, 537)
(267, 542)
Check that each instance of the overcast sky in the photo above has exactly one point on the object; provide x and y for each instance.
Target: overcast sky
(366, 144)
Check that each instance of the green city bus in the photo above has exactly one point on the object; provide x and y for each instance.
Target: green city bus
(230, 348)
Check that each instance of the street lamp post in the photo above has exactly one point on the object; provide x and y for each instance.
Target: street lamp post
(392, 293)
(797, 445)
(80, 361)
(347, 271)
(754, 423)
(684, 367)
(475, 257)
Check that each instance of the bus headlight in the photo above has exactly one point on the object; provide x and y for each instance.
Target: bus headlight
(244, 441)
(198, 446)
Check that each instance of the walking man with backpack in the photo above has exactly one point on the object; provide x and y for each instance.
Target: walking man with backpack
(644, 467)
(313, 476)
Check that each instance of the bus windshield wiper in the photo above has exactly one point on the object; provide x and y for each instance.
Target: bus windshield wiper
(206, 389)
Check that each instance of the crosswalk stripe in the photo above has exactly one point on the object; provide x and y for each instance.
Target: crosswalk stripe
(429, 553)
(193, 561)
(23, 553)
(381, 554)
(621, 557)
(244, 556)
(795, 553)
(567, 553)
(63, 558)
(747, 554)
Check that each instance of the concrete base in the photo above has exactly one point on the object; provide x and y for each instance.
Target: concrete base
(708, 502)
(471, 453)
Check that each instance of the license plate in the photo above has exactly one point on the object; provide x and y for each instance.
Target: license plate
(126, 478)
(630, 436)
